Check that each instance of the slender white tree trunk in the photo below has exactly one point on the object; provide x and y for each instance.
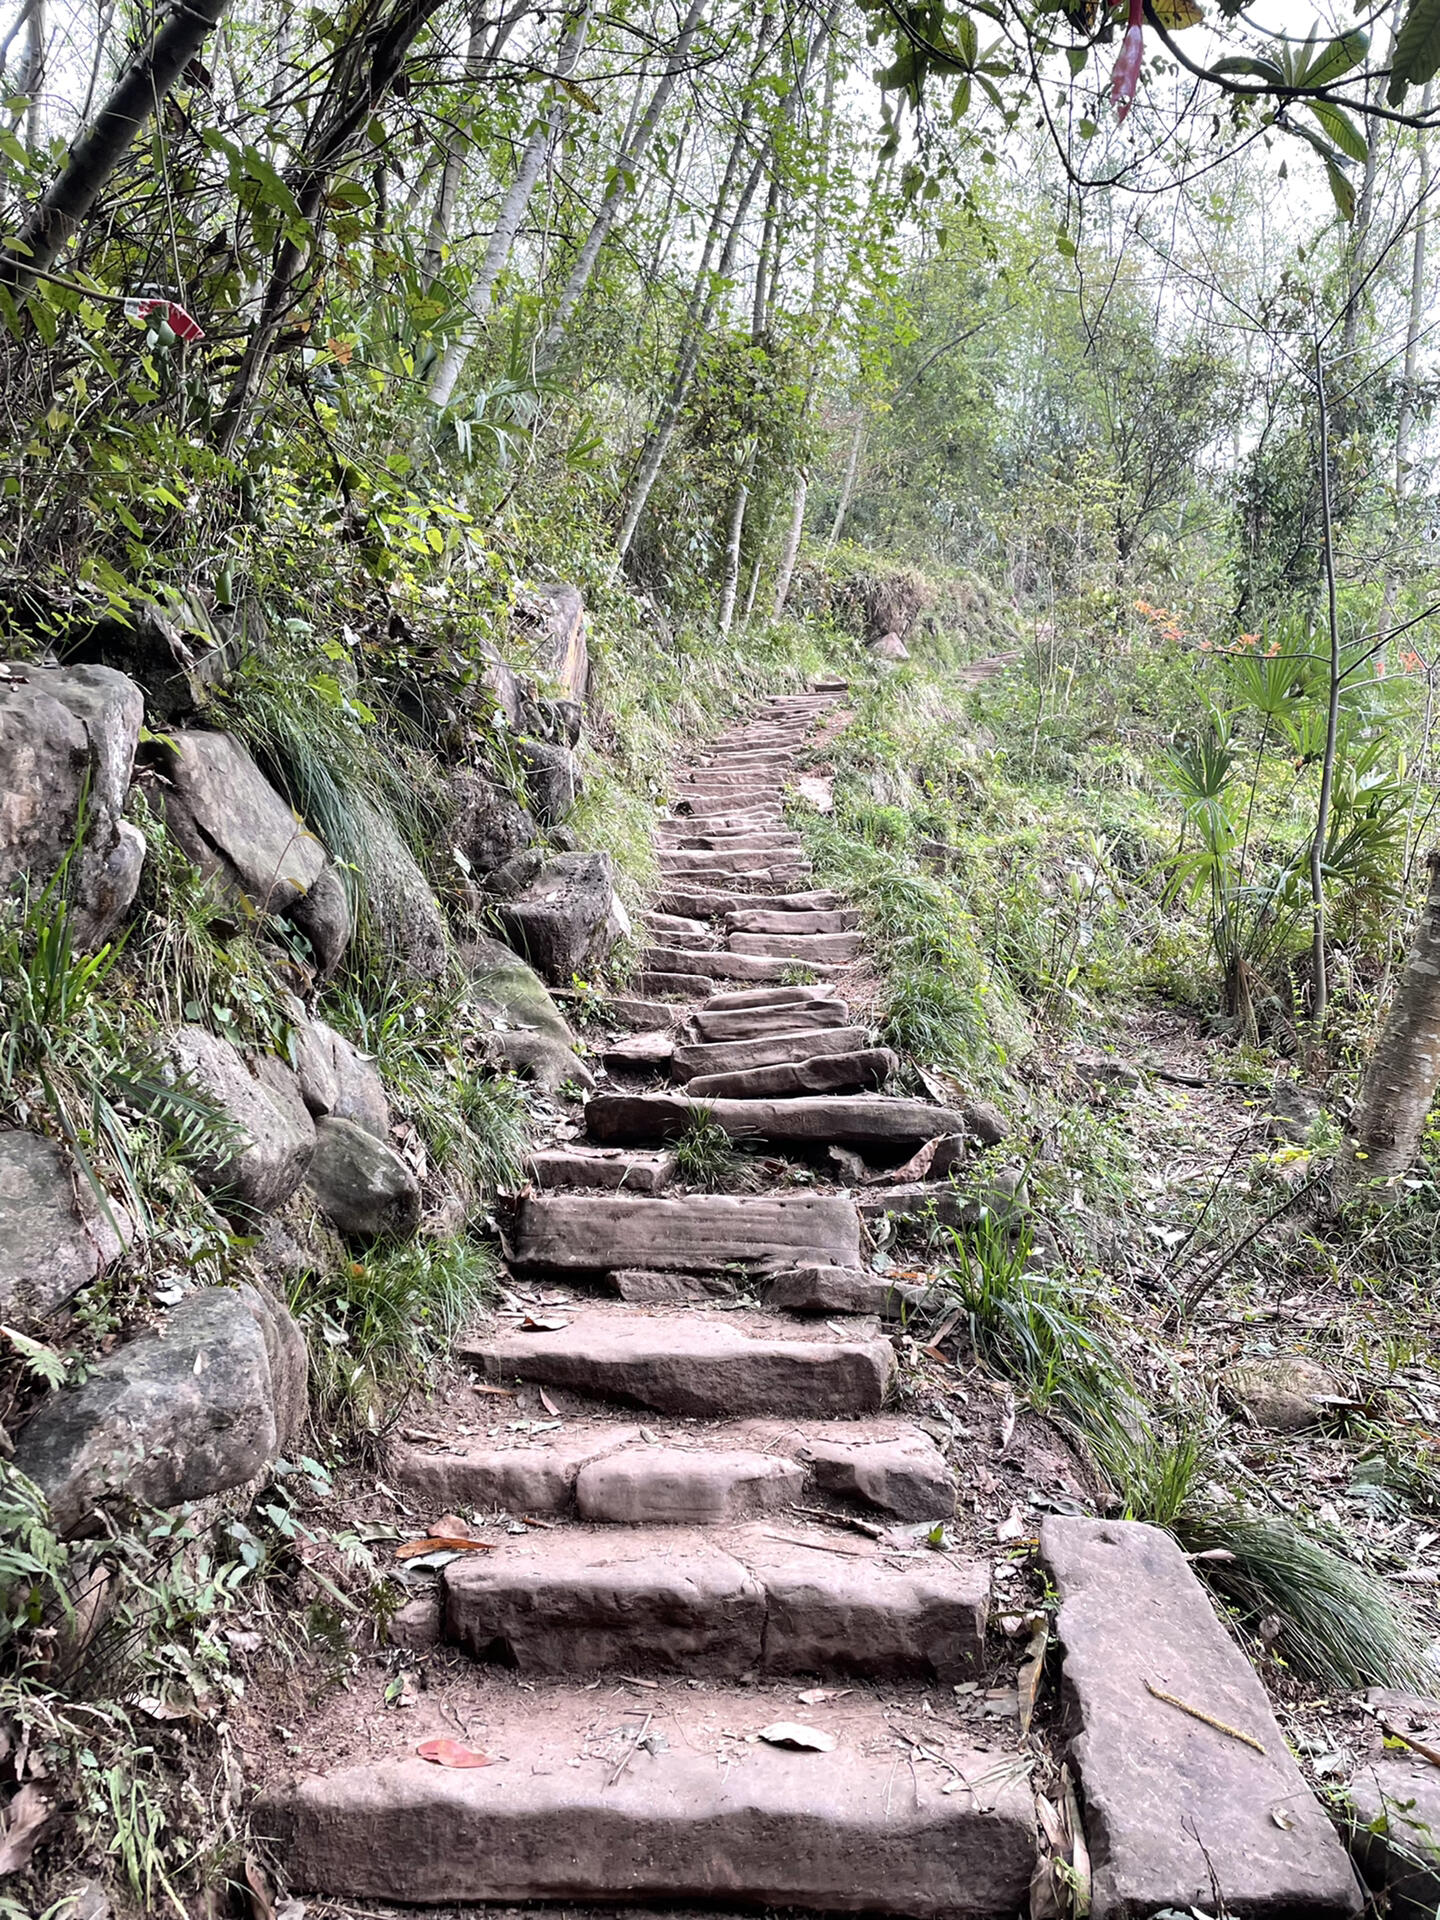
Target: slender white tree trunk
(734, 533)
(512, 211)
(1404, 1070)
(791, 551)
(1417, 307)
(851, 468)
(632, 152)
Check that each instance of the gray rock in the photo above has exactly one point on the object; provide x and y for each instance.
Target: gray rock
(401, 910)
(323, 915)
(336, 1078)
(1108, 1073)
(1174, 1808)
(512, 876)
(568, 918)
(1394, 1809)
(261, 1099)
(552, 776)
(362, 1185)
(985, 1122)
(67, 736)
(233, 824)
(488, 824)
(1282, 1392)
(531, 1034)
(54, 1236)
(191, 1410)
(1291, 1112)
(553, 619)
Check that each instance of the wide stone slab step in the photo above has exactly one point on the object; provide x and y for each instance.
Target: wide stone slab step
(846, 1120)
(673, 986)
(803, 948)
(694, 1363)
(702, 903)
(717, 965)
(702, 1233)
(785, 920)
(565, 1602)
(737, 1056)
(739, 998)
(674, 862)
(601, 1167)
(864, 1070)
(711, 1024)
(1176, 1807)
(674, 1479)
(576, 1809)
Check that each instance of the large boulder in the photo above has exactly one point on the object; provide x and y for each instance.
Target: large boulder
(55, 1237)
(569, 917)
(274, 1136)
(530, 1031)
(401, 910)
(204, 1404)
(1282, 1392)
(488, 825)
(67, 748)
(552, 780)
(336, 1078)
(240, 832)
(552, 618)
(363, 1187)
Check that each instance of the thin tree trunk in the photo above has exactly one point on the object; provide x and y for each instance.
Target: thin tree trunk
(1321, 996)
(1404, 1071)
(34, 75)
(851, 468)
(361, 76)
(791, 550)
(1417, 308)
(454, 147)
(731, 583)
(512, 212)
(63, 208)
(632, 151)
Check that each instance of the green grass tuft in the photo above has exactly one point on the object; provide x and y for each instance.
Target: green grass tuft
(704, 1153)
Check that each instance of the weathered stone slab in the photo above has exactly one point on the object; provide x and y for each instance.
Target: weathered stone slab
(231, 821)
(847, 1120)
(837, 949)
(575, 1603)
(906, 1476)
(274, 1136)
(737, 1056)
(679, 986)
(822, 1073)
(721, 864)
(362, 1186)
(673, 923)
(1173, 1807)
(813, 1288)
(701, 836)
(643, 1286)
(712, 902)
(601, 1167)
(566, 921)
(644, 1015)
(837, 1614)
(739, 998)
(533, 1478)
(685, 1486)
(827, 1832)
(531, 1034)
(700, 1233)
(755, 1023)
(715, 965)
(1282, 1392)
(641, 1051)
(772, 920)
(690, 1364)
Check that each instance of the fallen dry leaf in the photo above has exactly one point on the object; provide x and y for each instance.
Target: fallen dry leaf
(543, 1323)
(789, 1733)
(26, 1818)
(445, 1752)
(443, 1543)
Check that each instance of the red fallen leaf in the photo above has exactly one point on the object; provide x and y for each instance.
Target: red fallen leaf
(450, 1753)
(443, 1543)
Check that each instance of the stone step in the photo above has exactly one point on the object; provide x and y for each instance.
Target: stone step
(775, 756)
(805, 948)
(758, 781)
(703, 940)
(581, 1166)
(771, 920)
(674, 923)
(738, 820)
(740, 999)
(650, 1016)
(692, 805)
(884, 1464)
(573, 1603)
(698, 1234)
(673, 986)
(774, 1050)
(1174, 1807)
(670, 1799)
(712, 903)
(717, 965)
(727, 860)
(696, 837)
(764, 1022)
(859, 1121)
(651, 1049)
(862, 1071)
(697, 1363)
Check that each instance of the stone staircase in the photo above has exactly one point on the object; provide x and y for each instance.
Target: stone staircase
(710, 1650)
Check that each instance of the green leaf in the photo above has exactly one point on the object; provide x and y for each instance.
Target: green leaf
(1077, 56)
(1342, 189)
(1242, 64)
(1340, 127)
(1416, 58)
(12, 149)
(1176, 15)
(1337, 59)
(967, 40)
